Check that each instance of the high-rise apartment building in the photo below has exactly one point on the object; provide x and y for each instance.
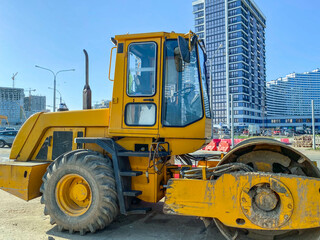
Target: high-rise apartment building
(234, 33)
(289, 100)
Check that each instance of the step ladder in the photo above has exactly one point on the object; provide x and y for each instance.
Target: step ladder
(122, 171)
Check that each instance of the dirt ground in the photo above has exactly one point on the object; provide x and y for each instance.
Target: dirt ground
(25, 220)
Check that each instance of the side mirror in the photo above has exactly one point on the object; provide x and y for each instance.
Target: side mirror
(184, 49)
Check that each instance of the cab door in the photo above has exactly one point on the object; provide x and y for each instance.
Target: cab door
(141, 91)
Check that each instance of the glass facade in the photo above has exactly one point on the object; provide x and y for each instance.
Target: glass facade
(289, 99)
(238, 67)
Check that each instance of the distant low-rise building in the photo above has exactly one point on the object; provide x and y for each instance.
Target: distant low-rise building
(11, 104)
(34, 104)
(289, 100)
(102, 104)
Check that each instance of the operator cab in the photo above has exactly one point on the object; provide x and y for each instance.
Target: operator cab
(160, 87)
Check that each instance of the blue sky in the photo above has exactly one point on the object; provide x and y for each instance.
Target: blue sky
(52, 34)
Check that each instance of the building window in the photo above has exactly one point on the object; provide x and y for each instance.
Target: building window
(198, 7)
(199, 21)
(275, 121)
(199, 14)
(200, 28)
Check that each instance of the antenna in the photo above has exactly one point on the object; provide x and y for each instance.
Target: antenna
(13, 77)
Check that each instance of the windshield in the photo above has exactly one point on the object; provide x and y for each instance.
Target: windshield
(182, 101)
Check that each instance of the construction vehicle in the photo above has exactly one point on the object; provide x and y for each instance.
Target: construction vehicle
(89, 165)
(5, 118)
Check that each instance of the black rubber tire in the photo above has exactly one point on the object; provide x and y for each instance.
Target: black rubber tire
(2, 144)
(98, 172)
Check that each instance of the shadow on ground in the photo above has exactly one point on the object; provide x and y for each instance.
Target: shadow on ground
(154, 225)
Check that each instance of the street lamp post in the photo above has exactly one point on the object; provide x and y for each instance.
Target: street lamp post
(313, 127)
(232, 121)
(54, 82)
(58, 92)
(211, 87)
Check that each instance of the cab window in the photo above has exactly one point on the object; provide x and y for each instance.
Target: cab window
(182, 100)
(141, 78)
(140, 114)
(204, 81)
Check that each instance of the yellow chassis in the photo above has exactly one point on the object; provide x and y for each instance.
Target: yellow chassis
(226, 198)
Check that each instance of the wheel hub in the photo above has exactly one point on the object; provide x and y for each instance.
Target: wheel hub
(266, 199)
(267, 205)
(73, 195)
(79, 192)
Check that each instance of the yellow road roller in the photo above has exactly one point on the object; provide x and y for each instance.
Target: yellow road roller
(88, 166)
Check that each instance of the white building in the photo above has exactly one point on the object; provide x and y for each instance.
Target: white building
(11, 104)
(102, 104)
(289, 100)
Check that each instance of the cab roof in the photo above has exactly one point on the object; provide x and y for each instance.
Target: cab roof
(149, 35)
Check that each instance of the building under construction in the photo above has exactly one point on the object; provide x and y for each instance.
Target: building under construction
(11, 104)
(34, 104)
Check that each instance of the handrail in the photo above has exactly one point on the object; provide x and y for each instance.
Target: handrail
(110, 64)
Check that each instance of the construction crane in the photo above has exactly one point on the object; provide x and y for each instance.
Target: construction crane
(13, 78)
(30, 96)
(89, 165)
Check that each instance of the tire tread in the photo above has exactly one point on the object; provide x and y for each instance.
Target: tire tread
(99, 167)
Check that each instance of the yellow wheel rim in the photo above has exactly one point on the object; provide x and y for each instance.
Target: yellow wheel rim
(73, 194)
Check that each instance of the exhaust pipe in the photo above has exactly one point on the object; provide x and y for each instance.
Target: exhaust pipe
(86, 89)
